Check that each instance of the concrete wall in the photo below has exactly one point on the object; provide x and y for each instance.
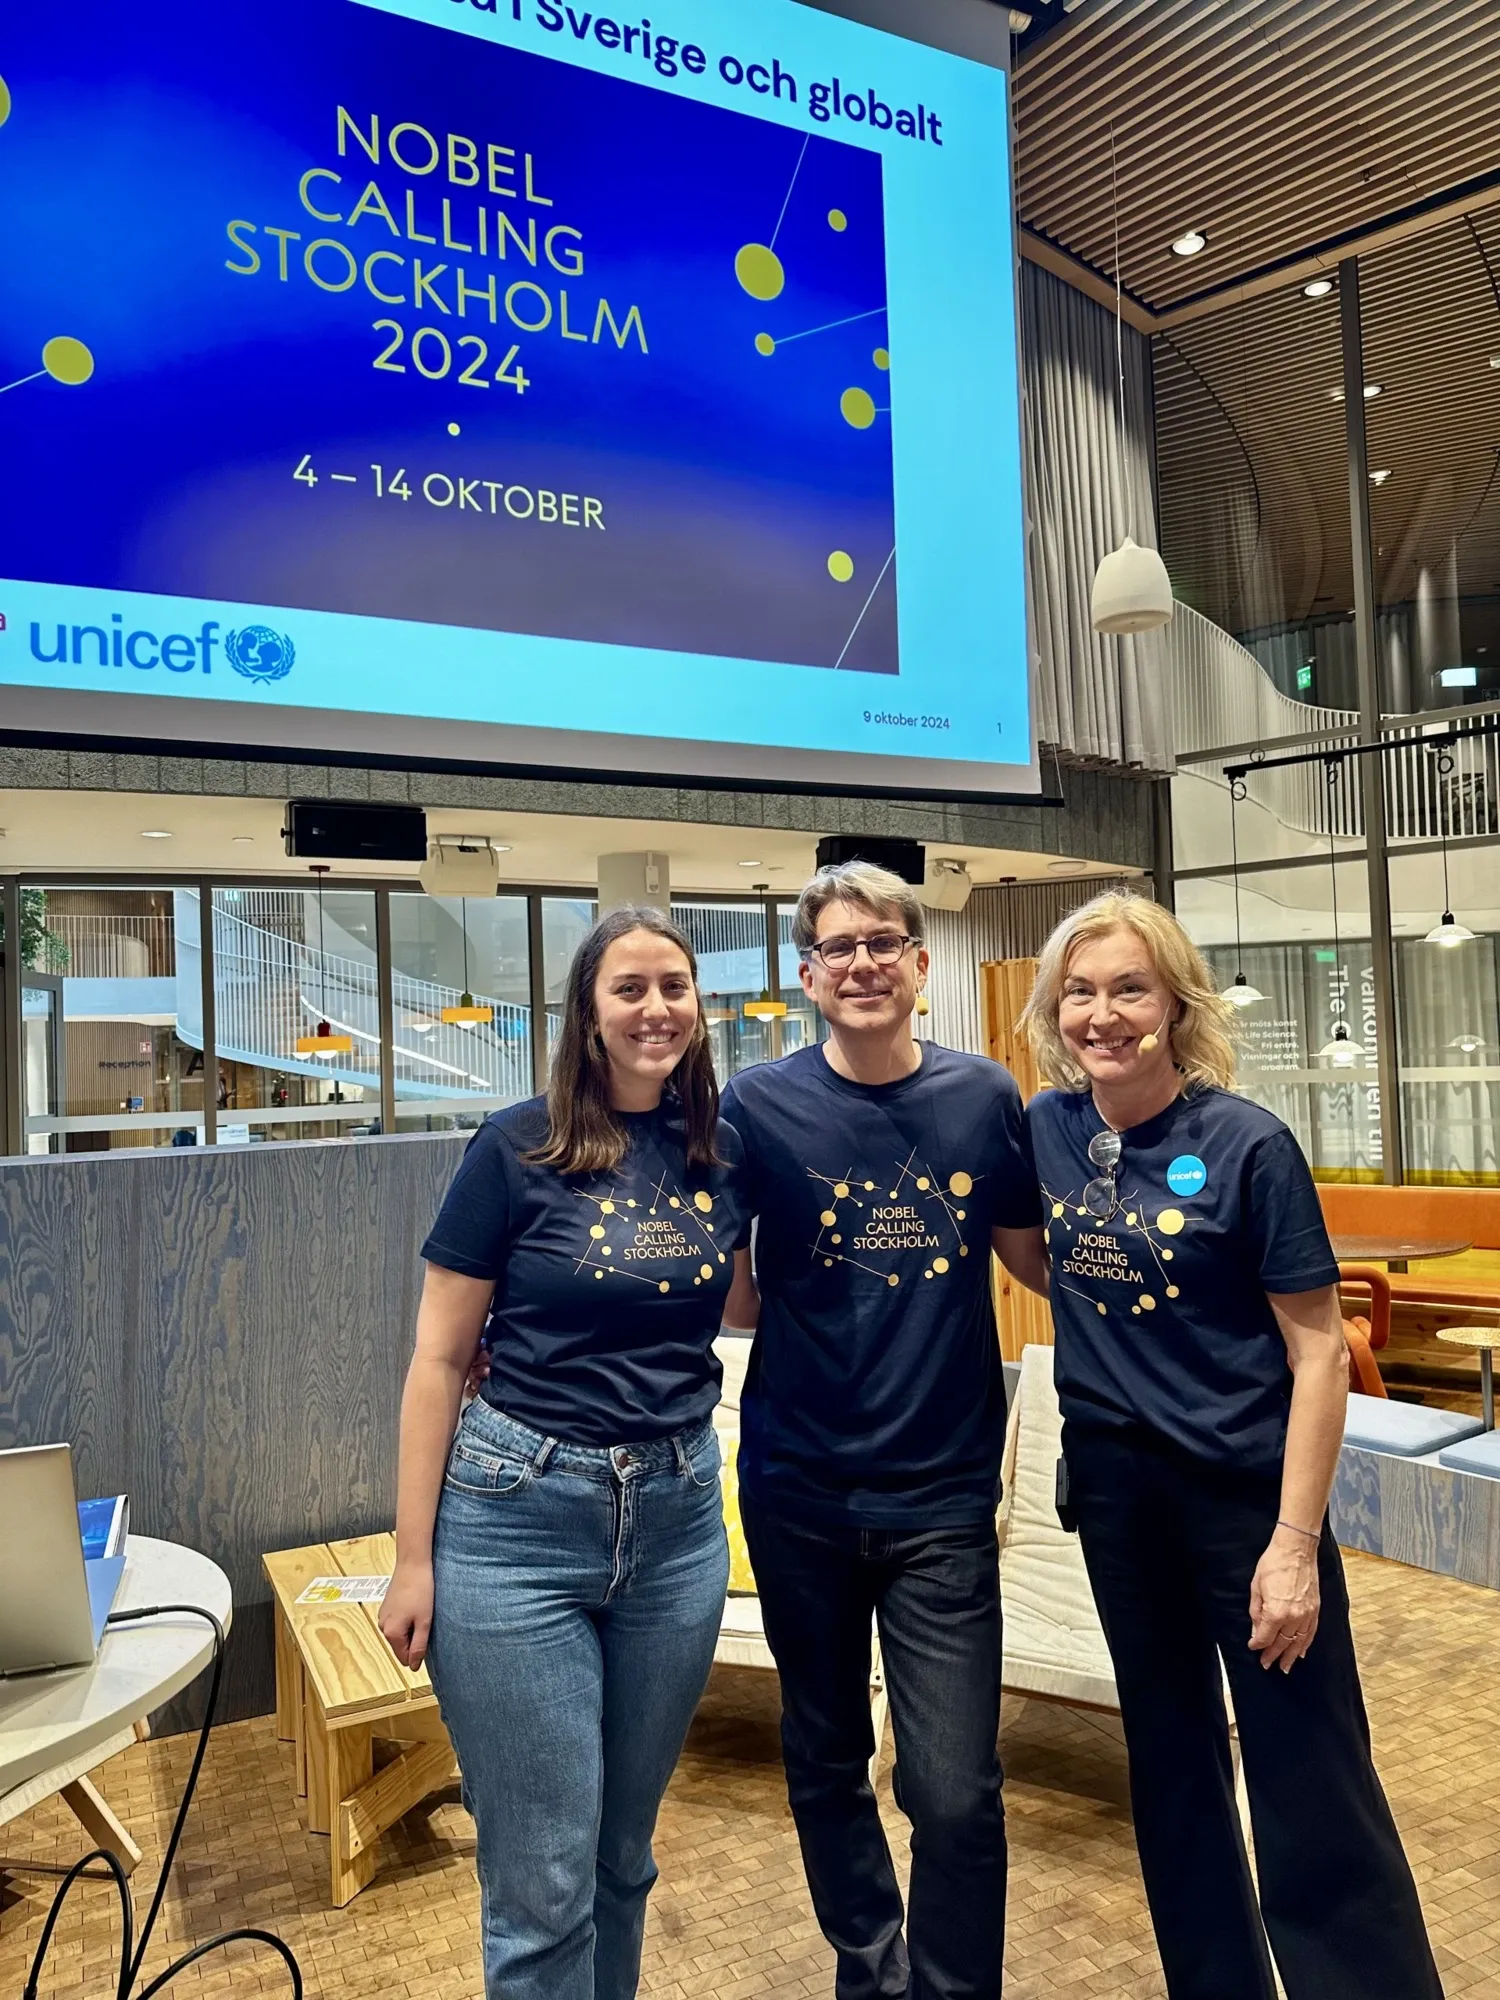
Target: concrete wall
(223, 1337)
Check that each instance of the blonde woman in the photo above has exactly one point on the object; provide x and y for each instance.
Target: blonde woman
(1200, 1364)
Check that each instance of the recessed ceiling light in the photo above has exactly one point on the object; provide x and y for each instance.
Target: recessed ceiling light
(1319, 288)
(243, 839)
(1379, 478)
(752, 864)
(154, 833)
(1189, 243)
(1372, 390)
(1071, 866)
(1495, 361)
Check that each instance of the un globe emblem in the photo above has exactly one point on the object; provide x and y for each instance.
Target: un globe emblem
(259, 653)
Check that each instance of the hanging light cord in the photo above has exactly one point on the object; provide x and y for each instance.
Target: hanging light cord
(1444, 768)
(463, 918)
(1333, 869)
(1114, 181)
(1237, 792)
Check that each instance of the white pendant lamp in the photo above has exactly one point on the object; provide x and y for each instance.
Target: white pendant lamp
(1341, 1049)
(1132, 591)
(1471, 1044)
(1448, 931)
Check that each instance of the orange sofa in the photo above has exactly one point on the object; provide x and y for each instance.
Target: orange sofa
(1471, 1214)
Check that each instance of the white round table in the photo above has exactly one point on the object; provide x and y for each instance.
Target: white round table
(56, 1727)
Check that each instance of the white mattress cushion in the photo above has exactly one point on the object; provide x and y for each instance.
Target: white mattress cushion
(1053, 1641)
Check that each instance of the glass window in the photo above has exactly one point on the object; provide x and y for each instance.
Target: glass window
(446, 951)
(566, 922)
(803, 1024)
(111, 1019)
(730, 941)
(292, 969)
(1310, 991)
(1433, 432)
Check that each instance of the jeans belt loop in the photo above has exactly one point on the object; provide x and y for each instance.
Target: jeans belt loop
(539, 1463)
(682, 1457)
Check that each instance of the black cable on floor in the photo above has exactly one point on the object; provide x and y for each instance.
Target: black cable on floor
(130, 1960)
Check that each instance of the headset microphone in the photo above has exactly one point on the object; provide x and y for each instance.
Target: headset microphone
(1153, 1040)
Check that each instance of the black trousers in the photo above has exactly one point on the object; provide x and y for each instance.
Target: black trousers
(936, 1595)
(1171, 1547)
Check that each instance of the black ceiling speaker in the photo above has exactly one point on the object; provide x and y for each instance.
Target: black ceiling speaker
(323, 830)
(902, 857)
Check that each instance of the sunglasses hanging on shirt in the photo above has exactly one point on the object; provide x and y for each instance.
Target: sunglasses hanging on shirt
(1101, 1197)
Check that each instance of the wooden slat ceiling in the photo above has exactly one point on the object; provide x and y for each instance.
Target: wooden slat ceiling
(1273, 126)
(1287, 131)
(1250, 437)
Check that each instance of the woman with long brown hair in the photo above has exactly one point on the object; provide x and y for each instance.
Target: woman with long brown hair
(561, 1562)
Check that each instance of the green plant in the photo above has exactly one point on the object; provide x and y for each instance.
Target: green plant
(41, 950)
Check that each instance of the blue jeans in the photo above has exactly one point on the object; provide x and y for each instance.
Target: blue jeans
(578, 1597)
(935, 1595)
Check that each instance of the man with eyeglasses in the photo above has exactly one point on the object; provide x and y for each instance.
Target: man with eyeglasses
(882, 1171)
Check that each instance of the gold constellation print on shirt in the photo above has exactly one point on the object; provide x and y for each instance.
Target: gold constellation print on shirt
(1096, 1251)
(671, 1227)
(875, 1218)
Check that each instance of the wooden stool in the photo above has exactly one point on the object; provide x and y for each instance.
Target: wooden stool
(339, 1687)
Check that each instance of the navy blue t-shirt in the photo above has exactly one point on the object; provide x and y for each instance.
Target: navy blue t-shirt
(609, 1288)
(875, 1394)
(1161, 1314)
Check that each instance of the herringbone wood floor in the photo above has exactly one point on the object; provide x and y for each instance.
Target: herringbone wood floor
(730, 1917)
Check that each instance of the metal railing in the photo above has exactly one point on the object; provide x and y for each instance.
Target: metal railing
(1222, 696)
(91, 946)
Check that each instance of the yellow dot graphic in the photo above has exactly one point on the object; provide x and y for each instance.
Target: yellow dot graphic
(1080, 1211)
(606, 1208)
(598, 1274)
(674, 1202)
(940, 1263)
(858, 407)
(923, 1183)
(1173, 1293)
(1057, 1208)
(4, 100)
(631, 1203)
(962, 1184)
(841, 1189)
(1148, 1302)
(1130, 1219)
(869, 1187)
(927, 1274)
(1100, 1308)
(67, 360)
(959, 1213)
(828, 1263)
(453, 430)
(605, 1251)
(893, 1279)
(838, 220)
(697, 1281)
(706, 1270)
(664, 1286)
(758, 269)
(963, 1249)
(835, 1239)
(882, 358)
(597, 1231)
(828, 1218)
(703, 1201)
(1171, 1222)
(841, 566)
(1166, 1256)
(764, 344)
(1136, 1310)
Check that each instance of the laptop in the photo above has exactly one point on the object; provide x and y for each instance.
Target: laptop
(53, 1605)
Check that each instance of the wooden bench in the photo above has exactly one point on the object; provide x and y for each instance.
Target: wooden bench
(340, 1690)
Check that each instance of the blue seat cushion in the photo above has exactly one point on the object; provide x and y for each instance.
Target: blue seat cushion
(1407, 1430)
(1480, 1454)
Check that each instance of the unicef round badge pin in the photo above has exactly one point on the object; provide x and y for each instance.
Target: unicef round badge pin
(1187, 1174)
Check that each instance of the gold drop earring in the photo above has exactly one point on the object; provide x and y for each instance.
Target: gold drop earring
(924, 1005)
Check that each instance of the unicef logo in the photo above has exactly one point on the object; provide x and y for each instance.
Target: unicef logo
(259, 653)
(1187, 1174)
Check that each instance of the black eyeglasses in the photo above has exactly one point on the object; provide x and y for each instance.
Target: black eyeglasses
(839, 953)
(1101, 1197)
